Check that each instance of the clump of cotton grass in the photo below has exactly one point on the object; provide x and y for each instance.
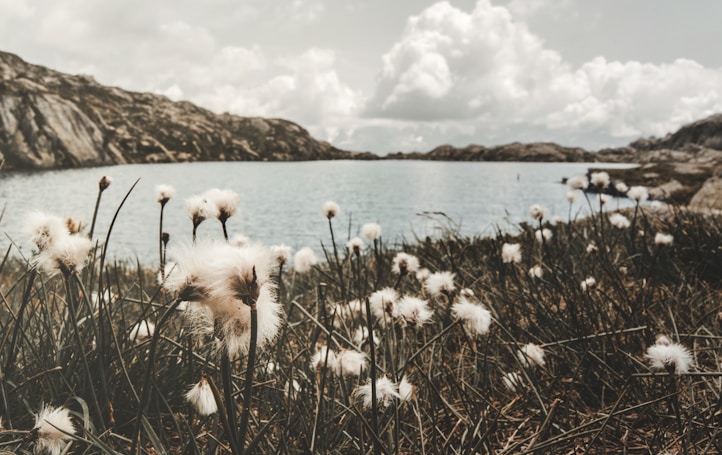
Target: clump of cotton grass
(599, 179)
(386, 392)
(201, 397)
(571, 197)
(164, 193)
(663, 239)
(475, 317)
(619, 221)
(423, 274)
(413, 311)
(404, 263)
(350, 363)
(638, 193)
(588, 284)
(578, 182)
(536, 271)
(53, 429)
(670, 357)
(141, 331)
(543, 235)
(513, 381)
(440, 283)
(304, 260)
(371, 231)
(621, 187)
(383, 304)
(330, 209)
(355, 246)
(537, 211)
(199, 210)
(604, 199)
(511, 253)
(531, 355)
(57, 250)
(406, 389)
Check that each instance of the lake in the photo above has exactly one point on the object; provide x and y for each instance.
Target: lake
(281, 201)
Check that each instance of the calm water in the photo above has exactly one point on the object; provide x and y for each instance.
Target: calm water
(281, 202)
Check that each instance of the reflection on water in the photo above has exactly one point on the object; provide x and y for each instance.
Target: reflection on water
(281, 202)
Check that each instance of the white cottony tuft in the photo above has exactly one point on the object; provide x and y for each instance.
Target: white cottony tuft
(330, 209)
(200, 396)
(371, 231)
(578, 182)
(536, 271)
(324, 358)
(404, 263)
(543, 235)
(619, 221)
(225, 201)
(413, 311)
(513, 381)
(406, 389)
(386, 391)
(304, 260)
(537, 212)
(475, 317)
(531, 355)
(163, 193)
(589, 283)
(571, 197)
(600, 179)
(383, 304)
(638, 193)
(361, 336)
(281, 253)
(355, 245)
(511, 252)
(54, 429)
(141, 331)
(200, 209)
(621, 187)
(440, 283)
(669, 357)
(663, 239)
(350, 363)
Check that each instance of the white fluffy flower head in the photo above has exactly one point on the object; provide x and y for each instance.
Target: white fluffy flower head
(200, 396)
(669, 357)
(619, 221)
(600, 179)
(386, 391)
(405, 263)
(355, 245)
(440, 283)
(304, 260)
(281, 253)
(225, 201)
(578, 182)
(330, 209)
(413, 311)
(537, 211)
(663, 239)
(638, 193)
(350, 363)
(371, 231)
(531, 355)
(475, 317)
(511, 252)
(164, 193)
(53, 428)
(588, 283)
(543, 235)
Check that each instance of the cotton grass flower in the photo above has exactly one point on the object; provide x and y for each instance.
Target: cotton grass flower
(571, 197)
(413, 311)
(386, 391)
(355, 245)
(382, 303)
(543, 235)
(669, 357)
(225, 201)
(621, 187)
(531, 355)
(281, 254)
(588, 284)
(330, 209)
(638, 193)
(371, 231)
(440, 283)
(199, 210)
(141, 331)
(578, 182)
(43, 230)
(663, 239)
(104, 182)
(350, 363)
(511, 253)
(600, 179)
(406, 390)
(604, 198)
(513, 381)
(536, 271)
(53, 429)
(200, 396)
(361, 336)
(475, 317)
(324, 358)
(304, 260)
(404, 263)
(164, 193)
(619, 221)
(66, 254)
(537, 211)
(422, 274)
(74, 225)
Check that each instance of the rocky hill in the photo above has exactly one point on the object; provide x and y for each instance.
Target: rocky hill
(537, 151)
(50, 119)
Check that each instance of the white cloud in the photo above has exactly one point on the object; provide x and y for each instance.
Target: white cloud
(11, 10)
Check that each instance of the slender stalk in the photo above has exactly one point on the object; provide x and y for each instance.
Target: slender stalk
(231, 406)
(248, 392)
(339, 270)
(12, 355)
(372, 377)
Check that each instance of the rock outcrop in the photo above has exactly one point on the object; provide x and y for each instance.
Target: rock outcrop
(50, 119)
(536, 151)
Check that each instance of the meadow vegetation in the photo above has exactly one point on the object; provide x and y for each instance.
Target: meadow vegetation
(593, 335)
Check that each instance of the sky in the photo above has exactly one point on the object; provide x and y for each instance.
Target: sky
(402, 75)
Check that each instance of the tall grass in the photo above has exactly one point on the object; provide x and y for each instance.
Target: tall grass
(67, 341)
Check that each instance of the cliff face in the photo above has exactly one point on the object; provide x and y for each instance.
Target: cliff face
(49, 119)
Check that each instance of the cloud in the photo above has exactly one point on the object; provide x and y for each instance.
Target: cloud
(485, 68)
